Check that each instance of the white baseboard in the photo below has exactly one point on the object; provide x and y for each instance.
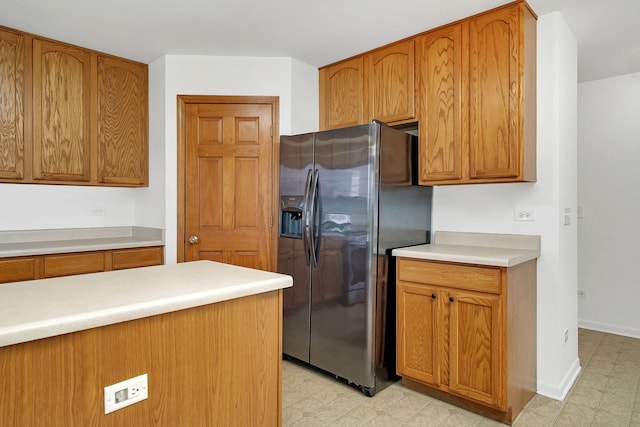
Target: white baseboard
(560, 391)
(608, 328)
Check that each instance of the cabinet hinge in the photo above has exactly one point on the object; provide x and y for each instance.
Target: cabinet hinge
(270, 221)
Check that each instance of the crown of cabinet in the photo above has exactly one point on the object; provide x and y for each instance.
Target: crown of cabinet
(470, 86)
(71, 115)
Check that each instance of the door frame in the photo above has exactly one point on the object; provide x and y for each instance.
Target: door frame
(183, 101)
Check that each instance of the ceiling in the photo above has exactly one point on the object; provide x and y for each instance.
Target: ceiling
(312, 31)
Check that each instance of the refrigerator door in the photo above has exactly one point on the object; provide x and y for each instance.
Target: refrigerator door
(341, 282)
(294, 256)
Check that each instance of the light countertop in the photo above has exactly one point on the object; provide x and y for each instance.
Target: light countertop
(55, 241)
(502, 250)
(43, 308)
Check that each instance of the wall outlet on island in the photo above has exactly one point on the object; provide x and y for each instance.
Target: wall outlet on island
(125, 393)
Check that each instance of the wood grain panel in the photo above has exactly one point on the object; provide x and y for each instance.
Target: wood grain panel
(12, 91)
(210, 130)
(17, 269)
(137, 257)
(476, 354)
(212, 192)
(215, 365)
(494, 90)
(440, 55)
(247, 187)
(342, 101)
(482, 279)
(391, 82)
(62, 113)
(76, 263)
(122, 121)
(417, 329)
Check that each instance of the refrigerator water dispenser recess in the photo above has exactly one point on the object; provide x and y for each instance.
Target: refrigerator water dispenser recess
(291, 216)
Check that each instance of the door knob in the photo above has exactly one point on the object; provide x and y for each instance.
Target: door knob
(193, 240)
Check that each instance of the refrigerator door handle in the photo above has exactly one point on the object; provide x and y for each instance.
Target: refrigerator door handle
(306, 213)
(314, 237)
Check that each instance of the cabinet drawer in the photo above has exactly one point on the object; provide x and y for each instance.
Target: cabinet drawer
(69, 264)
(482, 279)
(15, 270)
(139, 257)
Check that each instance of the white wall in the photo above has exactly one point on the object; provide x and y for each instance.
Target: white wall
(294, 82)
(31, 207)
(609, 190)
(490, 207)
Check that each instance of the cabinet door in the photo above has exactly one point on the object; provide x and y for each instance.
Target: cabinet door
(476, 351)
(342, 100)
(122, 122)
(418, 333)
(441, 100)
(136, 257)
(61, 112)
(494, 90)
(76, 263)
(390, 76)
(17, 269)
(12, 62)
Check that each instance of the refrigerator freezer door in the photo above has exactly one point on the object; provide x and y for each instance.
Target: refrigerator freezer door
(340, 308)
(296, 159)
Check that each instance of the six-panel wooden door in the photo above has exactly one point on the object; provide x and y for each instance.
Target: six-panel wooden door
(229, 183)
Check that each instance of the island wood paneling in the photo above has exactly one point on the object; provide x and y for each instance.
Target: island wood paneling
(213, 365)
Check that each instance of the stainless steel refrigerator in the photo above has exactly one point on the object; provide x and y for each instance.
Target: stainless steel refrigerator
(347, 198)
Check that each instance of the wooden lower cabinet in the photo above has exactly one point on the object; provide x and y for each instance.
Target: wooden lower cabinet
(214, 365)
(467, 334)
(67, 264)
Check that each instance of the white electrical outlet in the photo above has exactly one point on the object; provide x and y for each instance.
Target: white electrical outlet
(125, 393)
(524, 214)
(98, 211)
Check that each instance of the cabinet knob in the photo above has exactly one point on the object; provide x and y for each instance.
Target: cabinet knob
(451, 299)
(433, 296)
(193, 240)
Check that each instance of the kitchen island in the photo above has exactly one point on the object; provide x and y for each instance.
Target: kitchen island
(208, 335)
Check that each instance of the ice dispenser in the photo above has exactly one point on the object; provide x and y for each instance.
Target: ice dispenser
(291, 216)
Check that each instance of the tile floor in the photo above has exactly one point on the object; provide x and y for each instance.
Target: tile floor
(605, 394)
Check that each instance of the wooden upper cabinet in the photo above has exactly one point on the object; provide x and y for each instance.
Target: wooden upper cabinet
(502, 95)
(342, 95)
(441, 103)
(474, 97)
(12, 91)
(122, 122)
(70, 115)
(61, 112)
(494, 91)
(390, 83)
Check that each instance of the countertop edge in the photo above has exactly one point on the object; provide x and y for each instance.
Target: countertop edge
(58, 241)
(467, 255)
(34, 330)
